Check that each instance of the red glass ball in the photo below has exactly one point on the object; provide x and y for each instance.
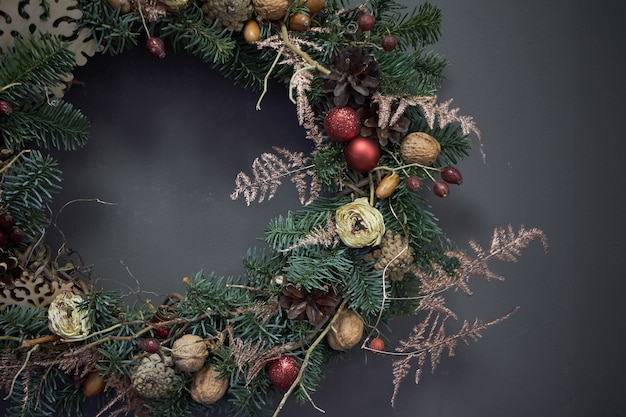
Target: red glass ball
(362, 154)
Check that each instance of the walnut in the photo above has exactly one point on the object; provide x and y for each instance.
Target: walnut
(230, 14)
(271, 9)
(189, 353)
(207, 387)
(420, 148)
(346, 332)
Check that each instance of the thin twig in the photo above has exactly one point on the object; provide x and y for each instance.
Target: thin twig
(304, 55)
(267, 77)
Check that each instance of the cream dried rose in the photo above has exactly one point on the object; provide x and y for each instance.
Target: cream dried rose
(66, 319)
(359, 224)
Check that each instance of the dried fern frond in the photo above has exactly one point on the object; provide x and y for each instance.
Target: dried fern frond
(429, 339)
(270, 169)
(323, 236)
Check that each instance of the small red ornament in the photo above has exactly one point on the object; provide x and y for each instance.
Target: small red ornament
(366, 22)
(283, 371)
(342, 123)
(6, 108)
(441, 189)
(451, 175)
(377, 344)
(156, 47)
(362, 154)
(389, 43)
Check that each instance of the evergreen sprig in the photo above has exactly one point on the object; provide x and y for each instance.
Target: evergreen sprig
(112, 32)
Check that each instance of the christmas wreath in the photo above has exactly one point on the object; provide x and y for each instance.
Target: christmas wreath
(363, 248)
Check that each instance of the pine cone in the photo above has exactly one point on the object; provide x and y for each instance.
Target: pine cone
(230, 14)
(353, 79)
(390, 247)
(10, 270)
(370, 129)
(317, 306)
(153, 377)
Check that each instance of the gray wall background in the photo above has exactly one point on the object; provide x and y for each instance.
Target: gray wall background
(543, 80)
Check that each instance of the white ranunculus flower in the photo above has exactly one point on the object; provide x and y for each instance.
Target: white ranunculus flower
(66, 319)
(359, 224)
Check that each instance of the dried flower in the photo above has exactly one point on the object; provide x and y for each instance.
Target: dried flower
(67, 318)
(316, 306)
(359, 224)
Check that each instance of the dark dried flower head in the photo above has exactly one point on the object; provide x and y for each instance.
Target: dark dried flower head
(316, 306)
(353, 79)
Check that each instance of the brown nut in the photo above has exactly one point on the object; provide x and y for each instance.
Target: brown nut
(346, 332)
(420, 148)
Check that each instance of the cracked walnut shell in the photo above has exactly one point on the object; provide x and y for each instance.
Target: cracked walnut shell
(189, 353)
(207, 387)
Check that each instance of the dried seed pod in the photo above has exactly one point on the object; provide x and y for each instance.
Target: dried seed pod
(420, 148)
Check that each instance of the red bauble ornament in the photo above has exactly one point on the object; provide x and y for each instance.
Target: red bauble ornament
(342, 123)
(362, 154)
(283, 371)
(156, 47)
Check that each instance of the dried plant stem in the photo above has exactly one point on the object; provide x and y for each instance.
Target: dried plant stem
(304, 55)
(39, 340)
(267, 77)
(30, 352)
(247, 287)
(143, 20)
(12, 161)
(6, 87)
(305, 362)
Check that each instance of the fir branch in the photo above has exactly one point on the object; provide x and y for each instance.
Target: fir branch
(326, 237)
(269, 169)
(34, 66)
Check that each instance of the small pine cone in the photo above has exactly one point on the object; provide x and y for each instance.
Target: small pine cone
(386, 134)
(390, 247)
(229, 14)
(354, 77)
(153, 376)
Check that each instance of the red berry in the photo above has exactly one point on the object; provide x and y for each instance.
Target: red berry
(451, 175)
(6, 108)
(150, 345)
(377, 344)
(441, 189)
(366, 22)
(162, 332)
(413, 183)
(6, 221)
(389, 43)
(156, 47)
(342, 123)
(17, 235)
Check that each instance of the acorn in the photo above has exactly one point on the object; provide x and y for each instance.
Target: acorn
(251, 31)
(93, 385)
(387, 185)
(313, 6)
(419, 148)
(299, 22)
